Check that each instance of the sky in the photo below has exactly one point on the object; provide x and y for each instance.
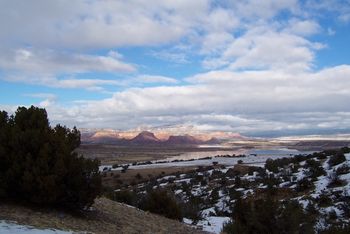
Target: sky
(260, 68)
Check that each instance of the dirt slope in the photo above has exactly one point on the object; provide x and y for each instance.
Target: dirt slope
(107, 217)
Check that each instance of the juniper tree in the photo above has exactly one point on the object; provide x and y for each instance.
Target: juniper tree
(38, 163)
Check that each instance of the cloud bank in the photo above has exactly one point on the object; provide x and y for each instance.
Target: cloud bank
(257, 63)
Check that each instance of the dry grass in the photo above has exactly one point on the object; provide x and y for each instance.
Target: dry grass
(106, 217)
(113, 179)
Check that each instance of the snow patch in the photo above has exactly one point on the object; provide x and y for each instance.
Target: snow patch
(213, 224)
(7, 227)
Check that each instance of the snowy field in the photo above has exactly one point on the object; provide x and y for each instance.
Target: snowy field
(255, 157)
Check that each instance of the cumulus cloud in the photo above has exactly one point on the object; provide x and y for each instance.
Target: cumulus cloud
(49, 61)
(258, 59)
(44, 67)
(247, 102)
(265, 47)
(340, 9)
(302, 27)
(203, 27)
(67, 83)
(96, 24)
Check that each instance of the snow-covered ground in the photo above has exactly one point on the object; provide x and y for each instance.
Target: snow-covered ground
(255, 157)
(217, 187)
(7, 227)
(213, 224)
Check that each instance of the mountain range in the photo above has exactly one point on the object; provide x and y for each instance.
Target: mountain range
(150, 138)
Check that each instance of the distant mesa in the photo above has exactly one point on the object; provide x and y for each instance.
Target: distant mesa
(145, 137)
(99, 138)
(183, 140)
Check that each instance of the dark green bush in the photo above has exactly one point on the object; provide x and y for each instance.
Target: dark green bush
(232, 173)
(315, 168)
(336, 159)
(271, 165)
(344, 169)
(274, 165)
(234, 194)
(160, 202)
(324, 200)
(345, 206)
(337, 229)
(125, 196)
(345, 150)
(267, 216)
(335, 180)
(192, 209)
(38, 163)
(304, 184)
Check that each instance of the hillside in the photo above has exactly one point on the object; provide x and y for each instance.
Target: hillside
(106, 216)
(316, 186)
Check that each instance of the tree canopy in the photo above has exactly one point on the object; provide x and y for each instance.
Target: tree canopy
(38, 163)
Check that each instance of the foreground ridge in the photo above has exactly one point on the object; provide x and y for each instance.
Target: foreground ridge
(106, 216)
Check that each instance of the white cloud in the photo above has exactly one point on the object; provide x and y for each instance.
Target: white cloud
(237, 101)
(252, 9)
(302, 27)
(155, 79)
(174, 55)
(264, 50)
(49, 61)
(92, 84)
(41, 95)
(44, 67)
(345, 17)
(195, 27)
(214, 43)
(67, 82)
(268, 48)
(339, 9)
(221, 20)
(96, 24)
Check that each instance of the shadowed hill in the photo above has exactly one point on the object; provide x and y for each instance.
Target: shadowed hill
(106, 217)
